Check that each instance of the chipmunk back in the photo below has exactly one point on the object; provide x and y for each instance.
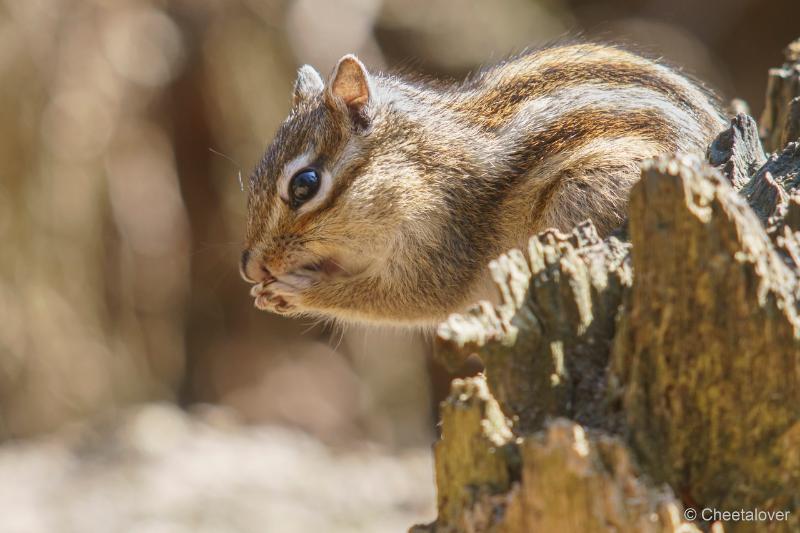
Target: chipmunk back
(383, 200)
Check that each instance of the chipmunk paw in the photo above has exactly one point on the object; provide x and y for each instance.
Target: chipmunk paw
(285, 294)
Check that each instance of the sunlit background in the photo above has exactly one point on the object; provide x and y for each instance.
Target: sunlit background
(125, 127)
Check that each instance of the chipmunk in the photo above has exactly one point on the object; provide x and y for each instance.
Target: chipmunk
(383, 200)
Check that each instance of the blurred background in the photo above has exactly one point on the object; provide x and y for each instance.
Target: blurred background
(126, 128)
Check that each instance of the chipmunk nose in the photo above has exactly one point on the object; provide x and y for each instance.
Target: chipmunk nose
(253, 270)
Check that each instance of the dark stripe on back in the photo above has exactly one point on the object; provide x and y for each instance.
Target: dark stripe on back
(569, 132)
(572, 130)
(495, 106)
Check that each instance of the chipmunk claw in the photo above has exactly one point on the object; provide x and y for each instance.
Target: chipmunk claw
(268, 301)
(257, 289)
(283, 295)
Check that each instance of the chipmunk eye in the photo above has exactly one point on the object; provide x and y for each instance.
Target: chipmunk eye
(304, 186)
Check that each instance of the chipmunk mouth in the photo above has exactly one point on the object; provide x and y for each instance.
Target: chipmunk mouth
(285, 292)
(301, 276)
(326, 266)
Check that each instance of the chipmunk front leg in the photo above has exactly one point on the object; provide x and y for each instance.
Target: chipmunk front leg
(286, 294)
(308, 291)
(371, 299)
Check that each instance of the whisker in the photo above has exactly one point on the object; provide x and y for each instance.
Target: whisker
(341, 335)
(238, 166)
(314, 323)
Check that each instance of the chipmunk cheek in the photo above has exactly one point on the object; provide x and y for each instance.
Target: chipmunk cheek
(331, 267)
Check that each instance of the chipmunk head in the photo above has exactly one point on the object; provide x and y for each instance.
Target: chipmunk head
(318, 209)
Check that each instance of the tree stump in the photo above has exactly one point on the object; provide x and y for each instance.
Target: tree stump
(630, 385)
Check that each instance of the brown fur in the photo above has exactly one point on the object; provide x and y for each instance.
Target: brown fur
(425, 185)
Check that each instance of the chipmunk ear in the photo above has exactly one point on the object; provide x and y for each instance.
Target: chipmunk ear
(307, 85)
(350, 84)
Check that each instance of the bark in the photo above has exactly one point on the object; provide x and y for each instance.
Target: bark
(638, 379)
(562, 478)
(474, 432)
(779, 122)
(737, 151)
(706, 359)
(546, 348)
(768, 190)
(791, 130)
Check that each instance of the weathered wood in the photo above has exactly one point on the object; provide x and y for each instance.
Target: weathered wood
(564, 478)
(737, 151)
(476, 455)
(783, 85)
(573, 480)
(708, 359)
(546, 348)
(768, 190)
(791, 128)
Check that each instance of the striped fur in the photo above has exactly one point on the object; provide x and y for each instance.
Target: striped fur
(425, 185)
